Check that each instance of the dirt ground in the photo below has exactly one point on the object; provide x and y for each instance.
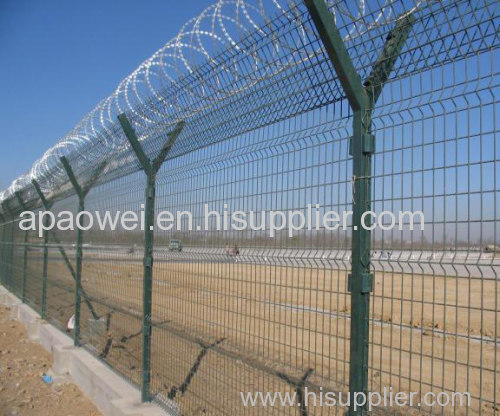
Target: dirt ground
(428, 334)
(22, 389)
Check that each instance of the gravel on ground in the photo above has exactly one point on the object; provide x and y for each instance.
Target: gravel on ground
(23, 367)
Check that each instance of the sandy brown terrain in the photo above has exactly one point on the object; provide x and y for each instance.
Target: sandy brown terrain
(273, 323)
(22, 390)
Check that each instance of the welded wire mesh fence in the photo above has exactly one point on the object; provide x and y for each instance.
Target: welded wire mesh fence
(264, 122)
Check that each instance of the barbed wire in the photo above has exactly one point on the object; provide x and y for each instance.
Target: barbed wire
(230, 48)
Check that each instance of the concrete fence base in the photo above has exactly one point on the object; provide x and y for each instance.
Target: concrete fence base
(111, 394)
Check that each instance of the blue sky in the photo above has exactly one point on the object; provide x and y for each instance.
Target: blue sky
(59, 58)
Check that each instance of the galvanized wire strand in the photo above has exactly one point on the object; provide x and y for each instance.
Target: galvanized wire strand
(189, 75)
(268, 127)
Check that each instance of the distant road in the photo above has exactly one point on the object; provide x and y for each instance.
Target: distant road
(450, 263)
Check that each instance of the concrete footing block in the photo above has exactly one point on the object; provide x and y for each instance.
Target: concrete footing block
(12, 302)
(127, 407)
(33, 328)
(31, 320)
(3, 292)
(14, 311)
(61, 359)
(95, 380)
(113, 395)
(50, 337)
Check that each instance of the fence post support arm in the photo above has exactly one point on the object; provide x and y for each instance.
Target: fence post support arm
(384, 65)
(150, 168)
(362, 99)
(134, 143)
(93, 179)
(46, 204)
(337, 52)
(172, 138)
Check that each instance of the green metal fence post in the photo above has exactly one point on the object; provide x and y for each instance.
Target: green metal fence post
(79, 239)
(4, 244)
(362, 98)
(147, 293)
(150, 168)
(359, 284)
(10, 267)
(25, 252)
(2, 250)
(47, 206)
(81, 192)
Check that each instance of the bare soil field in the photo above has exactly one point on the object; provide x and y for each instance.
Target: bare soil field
(225, 328)
(22, 389)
